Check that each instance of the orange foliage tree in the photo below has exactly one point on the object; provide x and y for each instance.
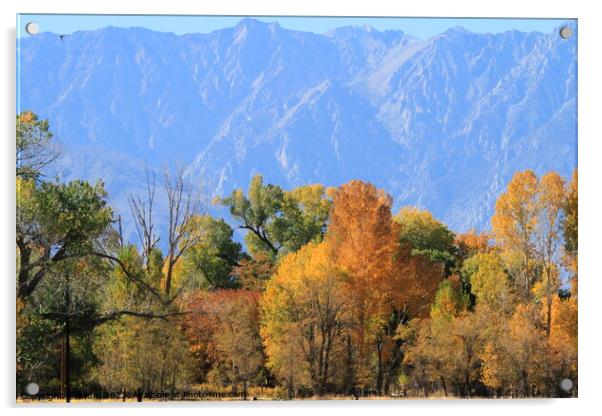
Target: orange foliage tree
(223, 329)
(383, 278)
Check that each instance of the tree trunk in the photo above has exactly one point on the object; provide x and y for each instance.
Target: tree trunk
(379, 369)
(66, 350)
(349, 374)
(444, 386)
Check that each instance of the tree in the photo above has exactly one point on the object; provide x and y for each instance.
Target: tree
(470, 243)
(489, 281)
(362, 241)
(444, 351)
(183, 204)
(304, 308)
(56, 222)
(515, 362)
(254, 273)
(302, 218)
(551, 203)
(449, 300)
(426, 236)
(382, 276)
(224, 325)
(528, 223)
(426, 357)
(279, 221)
(514, 222)
(255, 213)
(570, 227)
(562, 341)
(149, 356)
(34, 148)
(212, 259)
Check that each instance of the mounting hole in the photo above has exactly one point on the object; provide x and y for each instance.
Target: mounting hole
(566, 32)
(32, 28)
(566, 384)
(32, 389)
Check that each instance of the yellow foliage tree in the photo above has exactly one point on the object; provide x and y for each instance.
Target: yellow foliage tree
(514, 223)
(304, 310)
(489, 281)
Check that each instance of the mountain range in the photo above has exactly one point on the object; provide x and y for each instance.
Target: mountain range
(441, 123)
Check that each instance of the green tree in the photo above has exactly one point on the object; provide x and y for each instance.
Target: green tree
(56, 222)
(303, 215)
(278, 221)
(426, 236)
(34, 147)
(570, 227)
(256, 212)
(212, 259)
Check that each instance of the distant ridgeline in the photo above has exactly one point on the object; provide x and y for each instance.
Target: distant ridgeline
(440, 123)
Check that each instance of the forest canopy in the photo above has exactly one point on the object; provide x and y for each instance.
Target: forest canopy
(331, 293)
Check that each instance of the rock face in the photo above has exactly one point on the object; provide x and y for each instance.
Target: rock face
(441, 123)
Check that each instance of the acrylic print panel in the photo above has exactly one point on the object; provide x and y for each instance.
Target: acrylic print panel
(266, 208)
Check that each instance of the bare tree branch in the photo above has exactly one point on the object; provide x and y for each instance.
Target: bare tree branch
(142, 212)
(183, 205)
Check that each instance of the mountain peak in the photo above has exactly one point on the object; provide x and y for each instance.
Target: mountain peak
(249, 26)
(250, 23)
(458, 30)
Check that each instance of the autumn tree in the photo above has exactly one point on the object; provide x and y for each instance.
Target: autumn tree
(515, 361)
(514, 223)
(528, 224)
(363, 241)
(470, 243)
(144, 356)
(551, 201)
(449, 300)
(224, 326)
(254, 273)
(444, 350)
(562, 341)
(305, 309)
(489, 281)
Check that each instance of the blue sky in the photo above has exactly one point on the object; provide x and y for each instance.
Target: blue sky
(419, 27)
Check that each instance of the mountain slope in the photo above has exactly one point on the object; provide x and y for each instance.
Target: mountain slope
(442, 123)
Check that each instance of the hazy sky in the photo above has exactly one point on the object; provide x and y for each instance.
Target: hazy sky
(419, 27)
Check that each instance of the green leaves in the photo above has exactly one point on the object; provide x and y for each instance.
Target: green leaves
(304, 212)
(71, 215)
(279, 221)
(426, 236)
(215, 255)
(56, 222)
